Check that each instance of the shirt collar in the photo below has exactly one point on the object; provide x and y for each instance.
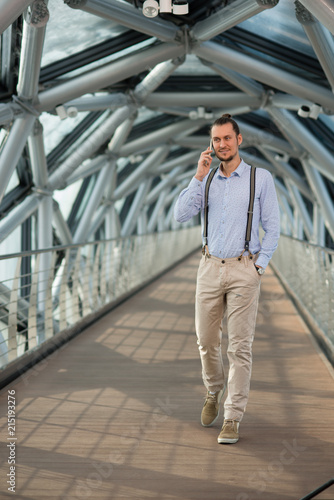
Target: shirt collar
(238, 171)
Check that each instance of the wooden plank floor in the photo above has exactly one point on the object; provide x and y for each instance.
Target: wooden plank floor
(115, 413)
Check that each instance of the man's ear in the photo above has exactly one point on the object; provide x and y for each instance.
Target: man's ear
(239, 139)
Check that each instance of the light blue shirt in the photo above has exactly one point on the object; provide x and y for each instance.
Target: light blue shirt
(227, 215)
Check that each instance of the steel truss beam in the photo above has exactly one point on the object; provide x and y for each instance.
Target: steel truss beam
(9, 56)
(228, 17)
(10, 11)
(288, 221)
(136, 207)
(247, 85)
(210, 99)
(61, 226)
(18, 215)
(165, 99)
(265, 73)
(287, 101)
(194, 114)
(321, 193)
(104, 180)
(321, 40)
(7, 113)
(166, 182)
(301, 209)
(13, 149)
(318, 226)
(86, 170)
(186, 159)
(286, 171)
(310, 143)
(161, 136)
(93, 202)
(45, 208)
(157, 212)
(99, 102)
(136, 177)
(124, 40)
(142, 222)
(31, 54)
(171, 199)
(154, 78)
(323, 10)
(108, 74)
(87, 149)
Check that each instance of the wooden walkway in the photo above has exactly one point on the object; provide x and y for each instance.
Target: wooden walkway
(114, 414)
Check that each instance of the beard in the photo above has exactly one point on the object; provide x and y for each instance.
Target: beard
(224, 159)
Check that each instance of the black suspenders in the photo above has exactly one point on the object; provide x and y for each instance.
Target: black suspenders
(206, 209)
(250, 209)
(205, 248)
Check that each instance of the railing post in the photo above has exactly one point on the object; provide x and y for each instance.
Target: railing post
(12, 314)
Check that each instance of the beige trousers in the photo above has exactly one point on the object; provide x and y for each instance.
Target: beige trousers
(231, 287)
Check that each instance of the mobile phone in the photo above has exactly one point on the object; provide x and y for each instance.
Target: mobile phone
(211, 147)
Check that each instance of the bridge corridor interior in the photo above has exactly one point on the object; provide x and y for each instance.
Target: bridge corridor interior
(105, 107)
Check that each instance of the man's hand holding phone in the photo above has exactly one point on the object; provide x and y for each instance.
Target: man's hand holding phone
(204, 163)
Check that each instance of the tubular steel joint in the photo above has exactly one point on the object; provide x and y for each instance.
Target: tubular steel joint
(75, 4)
(38, 14)
(186, 40)
(111, 155)
(179, 60)
(133, 99)
(265, 98)
(8, 112)
(303, 15)
(305, 155)
(267, 4)
(180, 36)
(106, 202)
(41, 191)
(26, 106)
(37, 128)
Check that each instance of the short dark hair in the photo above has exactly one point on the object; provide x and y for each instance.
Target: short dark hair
(222, 120)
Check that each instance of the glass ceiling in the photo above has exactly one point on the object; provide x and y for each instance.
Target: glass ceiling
(71, 30)
(280, 25)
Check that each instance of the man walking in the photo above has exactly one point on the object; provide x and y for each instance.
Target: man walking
(229, 274)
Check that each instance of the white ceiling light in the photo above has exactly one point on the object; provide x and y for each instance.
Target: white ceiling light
(165, 6)
(150, 8)
(180, 8)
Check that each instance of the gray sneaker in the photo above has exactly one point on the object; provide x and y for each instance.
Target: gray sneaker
(210, 411)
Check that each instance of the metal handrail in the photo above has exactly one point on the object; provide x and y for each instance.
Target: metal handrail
(68, 284)
(321, 488)
(307, 270)
(59, 248)
(307, 243)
